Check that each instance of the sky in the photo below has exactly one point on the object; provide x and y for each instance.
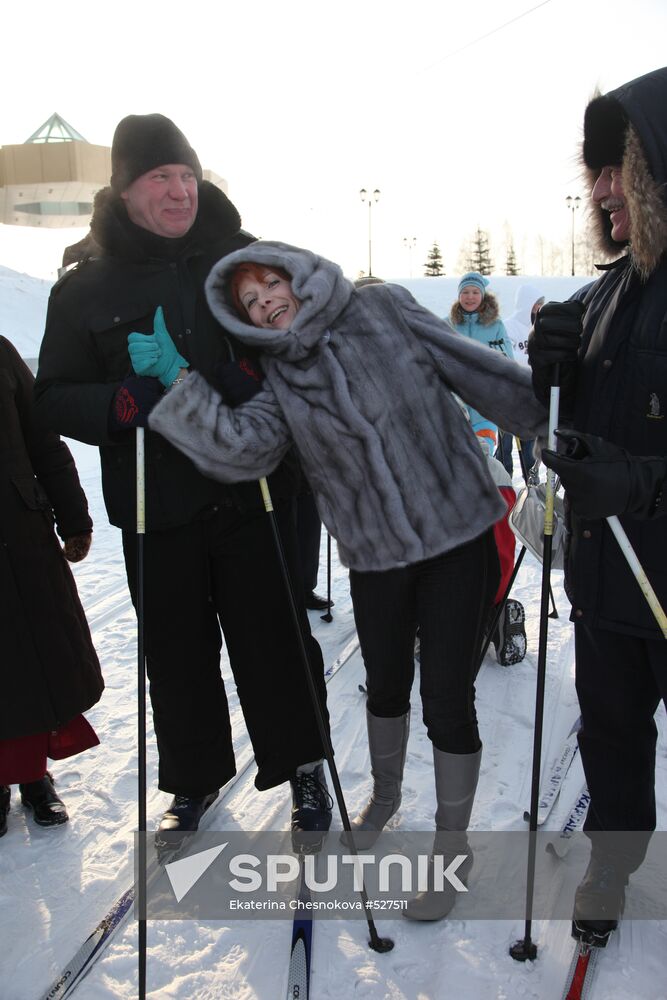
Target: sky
(461, 115)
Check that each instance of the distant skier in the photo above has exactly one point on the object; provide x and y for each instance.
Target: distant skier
(362, 381)
(527, 303)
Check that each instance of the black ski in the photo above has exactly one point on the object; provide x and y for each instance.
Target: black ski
(298, 979)
(96, 943)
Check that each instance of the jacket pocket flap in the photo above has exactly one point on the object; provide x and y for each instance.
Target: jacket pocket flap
(138, 313)
(31, 492)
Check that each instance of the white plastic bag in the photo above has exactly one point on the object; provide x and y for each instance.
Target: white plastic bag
(526, 520)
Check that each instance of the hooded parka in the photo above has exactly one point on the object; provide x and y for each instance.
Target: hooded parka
(49, 671)
(622, 380)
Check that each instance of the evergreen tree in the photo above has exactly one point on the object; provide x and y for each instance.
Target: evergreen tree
(511, 266)
(433, 268)
(480, 255)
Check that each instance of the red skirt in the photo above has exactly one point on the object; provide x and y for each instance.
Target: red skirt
(23, 759)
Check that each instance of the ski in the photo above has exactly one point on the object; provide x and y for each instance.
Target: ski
(556, 775)
(581, 974)
(561, 843)
(96, 942)
(91, 949)
(298, 979)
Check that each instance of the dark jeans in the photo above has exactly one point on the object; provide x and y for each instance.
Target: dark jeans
(620, 681)
(448, 599)
(504, 452)
(201, 577)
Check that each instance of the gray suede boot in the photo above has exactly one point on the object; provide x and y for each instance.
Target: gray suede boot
(388, 745)
(456, 777)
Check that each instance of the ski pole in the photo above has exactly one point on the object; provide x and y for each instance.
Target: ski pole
(327, 616)
(524, 472)
(141, 708)
(638, 571)
(376, 942)
(525, 949)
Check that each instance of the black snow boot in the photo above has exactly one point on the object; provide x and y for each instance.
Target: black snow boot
(599, 901)
(311, 808)
(48, 809)
(184, 813)
(510, 636)
(316, 603)
(5, 801)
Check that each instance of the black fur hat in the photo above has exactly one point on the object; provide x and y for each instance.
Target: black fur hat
(605, 127)
(142, 142)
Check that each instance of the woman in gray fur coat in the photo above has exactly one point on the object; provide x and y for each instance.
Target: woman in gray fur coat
(362, 383)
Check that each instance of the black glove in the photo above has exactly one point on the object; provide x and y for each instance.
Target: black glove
(76, 547)
(238, 381)
(135, 398)
(601, 479)
(554, 340)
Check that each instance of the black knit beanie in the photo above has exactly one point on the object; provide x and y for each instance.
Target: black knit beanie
(142, 142)
(605, 127)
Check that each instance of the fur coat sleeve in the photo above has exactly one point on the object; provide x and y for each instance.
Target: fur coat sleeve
(230, 445)
(493, 384)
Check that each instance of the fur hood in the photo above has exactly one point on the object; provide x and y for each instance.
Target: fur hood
(318, 283)
(362, 384)
(487, 313)
(628, 126)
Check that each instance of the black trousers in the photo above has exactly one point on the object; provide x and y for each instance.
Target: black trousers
(309, 532)
(620, 680)
(222, 571)
(448, 599)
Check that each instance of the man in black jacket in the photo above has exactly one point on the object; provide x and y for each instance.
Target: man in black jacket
(612, 357)
(209, 553)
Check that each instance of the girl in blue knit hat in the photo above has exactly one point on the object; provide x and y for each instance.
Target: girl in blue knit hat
(475, 314)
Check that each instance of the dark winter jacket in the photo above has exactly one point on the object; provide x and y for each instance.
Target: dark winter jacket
(49, 672)
(84, 356)
(363, 384)
(622, 379)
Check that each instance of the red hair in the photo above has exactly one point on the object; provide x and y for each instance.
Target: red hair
(251, 270)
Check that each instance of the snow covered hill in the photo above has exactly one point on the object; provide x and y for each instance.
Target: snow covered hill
(23, 301)
(55, 885)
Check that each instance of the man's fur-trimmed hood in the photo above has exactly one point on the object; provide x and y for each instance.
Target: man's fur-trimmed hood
(628, 126)
(318, 284)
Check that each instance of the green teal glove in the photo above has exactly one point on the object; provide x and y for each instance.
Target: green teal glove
(155, 354)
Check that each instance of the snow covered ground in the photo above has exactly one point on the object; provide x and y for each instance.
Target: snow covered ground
(55, 885)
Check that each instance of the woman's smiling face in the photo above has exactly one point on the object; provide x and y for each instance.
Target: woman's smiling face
(269, 302)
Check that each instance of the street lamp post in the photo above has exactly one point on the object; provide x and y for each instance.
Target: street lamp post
(371, 198)
(409, 242)
(573, 205)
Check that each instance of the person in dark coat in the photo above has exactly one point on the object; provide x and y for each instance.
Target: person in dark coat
(209, 552)
(49, 672)
(612, 461)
